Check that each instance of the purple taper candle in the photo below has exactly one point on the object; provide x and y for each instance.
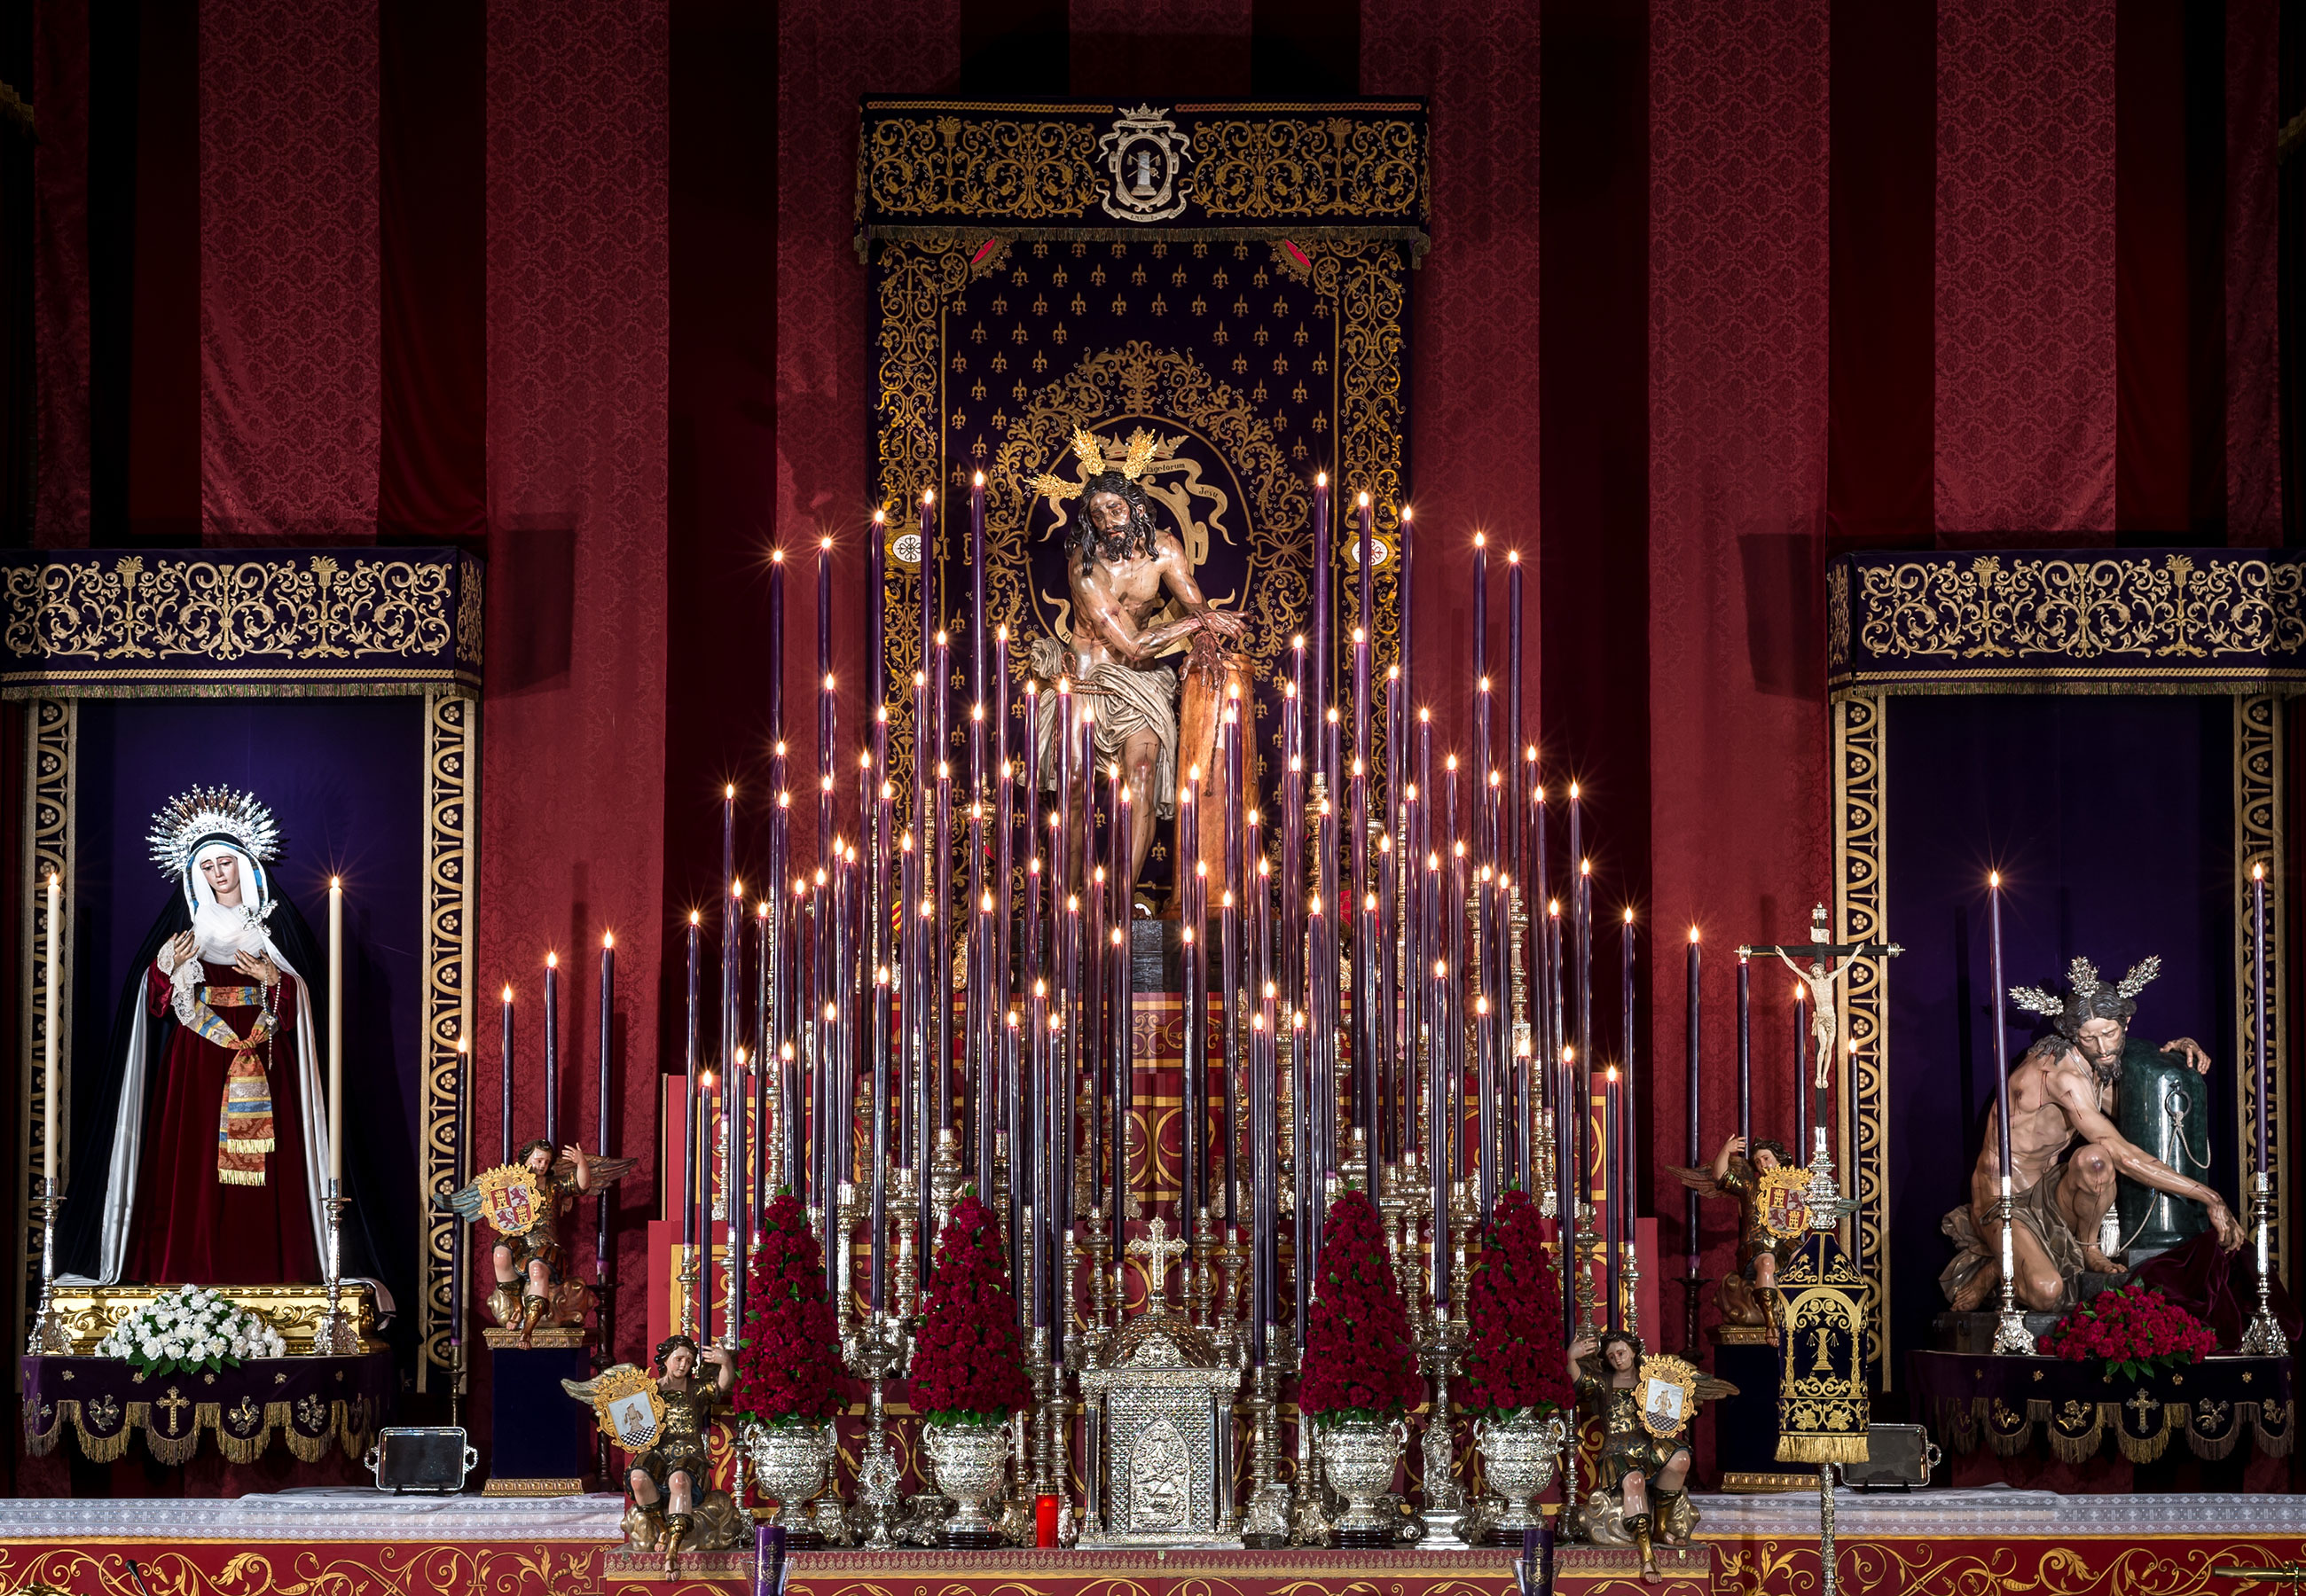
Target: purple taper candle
(1692, 1144)
(2256, 1012)
(1324, 667)
(1484, 755)
(2001, 1031)
(505, 1100)
(552, 1051)
(1613, 1180)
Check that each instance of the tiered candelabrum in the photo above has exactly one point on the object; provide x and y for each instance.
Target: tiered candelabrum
(1393, 934)
(876, 1344)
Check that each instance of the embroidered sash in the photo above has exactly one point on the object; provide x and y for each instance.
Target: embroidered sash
(244, 1120)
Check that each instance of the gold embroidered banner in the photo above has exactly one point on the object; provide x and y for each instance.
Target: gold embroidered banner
(2112, 621)
(97, 622)
(1056, 169)
(1038, 269)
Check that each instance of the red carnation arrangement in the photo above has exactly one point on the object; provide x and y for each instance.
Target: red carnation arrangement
(968, 1361)
(1360, 1362)
(788, 1367)
(2134, 1331)
(1514, 1360)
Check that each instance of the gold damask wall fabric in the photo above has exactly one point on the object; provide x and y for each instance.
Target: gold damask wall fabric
(1234, 280)
(2140, 620)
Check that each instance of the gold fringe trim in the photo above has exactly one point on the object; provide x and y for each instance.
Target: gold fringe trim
(1822, 1449)
(2277, 1444)
(1958, 1424)
(2068, 1446)
(2210, 1447)
(2141, 1448)
(248, 1144)
(2005, 1443)
(39, 1443)
(351, 1424)
(241, 1177)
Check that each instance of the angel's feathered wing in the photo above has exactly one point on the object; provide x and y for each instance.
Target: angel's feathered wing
(1700, 1180)
(604, 1171)
(465, 1204)
(584, 1390)
(1713, 1387)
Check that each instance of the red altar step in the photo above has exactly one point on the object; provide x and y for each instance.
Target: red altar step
(1932, 1543)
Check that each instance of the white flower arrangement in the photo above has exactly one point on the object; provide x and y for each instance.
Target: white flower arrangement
(190, 1328)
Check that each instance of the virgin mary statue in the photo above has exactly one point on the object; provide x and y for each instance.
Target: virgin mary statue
(200, 1141)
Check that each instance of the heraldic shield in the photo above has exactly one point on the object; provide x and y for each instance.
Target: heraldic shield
(510, 1199)
(1822, 1403)
(625, 1399)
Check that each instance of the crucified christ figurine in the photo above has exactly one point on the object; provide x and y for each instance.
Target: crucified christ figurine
(1821, 978)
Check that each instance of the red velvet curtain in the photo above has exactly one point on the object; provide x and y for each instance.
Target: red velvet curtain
(60, 45)
(287, 269)
(2026, 269)
(1472, 411)
(824, 393)
(2253, 463)
(1737, 326)
(571, 834)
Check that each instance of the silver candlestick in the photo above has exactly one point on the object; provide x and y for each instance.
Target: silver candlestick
(2011, 1337)
(49, 1338)
(877, 1349)
(336, 1335)
(2264, 1337)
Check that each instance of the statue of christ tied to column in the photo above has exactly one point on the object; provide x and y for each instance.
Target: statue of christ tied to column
(1122, 570)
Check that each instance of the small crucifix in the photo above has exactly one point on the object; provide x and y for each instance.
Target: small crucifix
(1821, 977)
(175, 1404)
(1158, 1244)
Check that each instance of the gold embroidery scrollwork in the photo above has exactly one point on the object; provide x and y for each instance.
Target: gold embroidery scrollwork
(451, 787)
(956, 167)
(1861, 886)
(2260, 766)
(2169, 607)
(51, 756)
(299, 607)
(1320, 167)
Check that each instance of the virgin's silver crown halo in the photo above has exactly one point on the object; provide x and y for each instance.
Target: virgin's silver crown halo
(208, 812)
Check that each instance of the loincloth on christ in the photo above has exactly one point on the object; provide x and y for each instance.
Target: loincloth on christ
(1123, 703)
(2036, 1210)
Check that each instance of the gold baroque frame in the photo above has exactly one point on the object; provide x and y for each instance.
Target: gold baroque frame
(1860, 856)
(451, 755)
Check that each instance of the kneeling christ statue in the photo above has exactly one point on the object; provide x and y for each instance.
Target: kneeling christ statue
(200, 1139)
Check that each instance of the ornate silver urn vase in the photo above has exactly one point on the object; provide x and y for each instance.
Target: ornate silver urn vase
(789, 1463)
(1359, 1456)
(1518, 1456)
(970, 1461)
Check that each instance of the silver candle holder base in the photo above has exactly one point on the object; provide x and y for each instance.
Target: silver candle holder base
(2011, 1337)
(336, 1335)
(2263, 1337)
(47, 1338)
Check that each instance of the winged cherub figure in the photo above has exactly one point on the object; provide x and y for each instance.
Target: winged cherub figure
(1735, 1173)
(1646, 1406)
(533, 1257)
